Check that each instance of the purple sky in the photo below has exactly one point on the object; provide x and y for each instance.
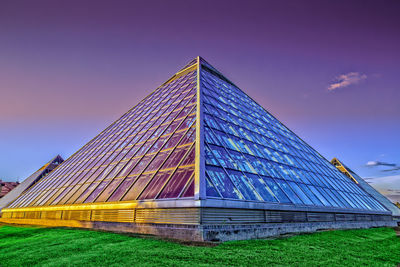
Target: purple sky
(69, 68)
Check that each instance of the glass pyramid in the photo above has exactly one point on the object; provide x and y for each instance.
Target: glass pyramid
(198, 137)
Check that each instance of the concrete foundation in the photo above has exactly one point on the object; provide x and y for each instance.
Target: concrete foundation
(242, 232)
(212, 232)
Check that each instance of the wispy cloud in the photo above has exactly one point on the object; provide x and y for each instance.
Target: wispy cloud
(394, 167)
(379, 163)
(347, 79)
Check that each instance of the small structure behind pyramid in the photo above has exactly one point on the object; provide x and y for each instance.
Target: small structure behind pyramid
(197, 155)
(367, 187)
(30, 181)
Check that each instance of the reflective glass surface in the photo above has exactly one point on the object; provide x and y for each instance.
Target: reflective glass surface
(250, 155)
(148, 153)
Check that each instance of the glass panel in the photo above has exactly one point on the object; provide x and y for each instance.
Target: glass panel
(175, 157)
(109, 190)
(333, 196)
(86, 193)
(62, 194)
(97, 191)
(286, 188)
(128, 167)
(158, 160)
(316, 194)
(310, 194)
(243, 185)
(300, 193)
(173, 141)
(210, 189)
(157, 182)
(158, 144)
(189, 191)
(262, 189)
(190, 157)
(176, 183)
(189, 137)
(138, 187)
(142, 164)
(122, 188)
(277, 191)
(79, 190)
(222, 182)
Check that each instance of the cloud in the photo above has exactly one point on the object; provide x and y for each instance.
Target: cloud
(379, 163)
(345, 80)
(397, 168)
(394, 167)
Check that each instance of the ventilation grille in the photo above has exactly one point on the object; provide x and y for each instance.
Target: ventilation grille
(113, 215)
(232, 216)
(192, 216)
(6, 215)
(285, 216)
(345, 217)
(363, 217)
(381, 218)
(320, 217)
(79, 215)
(173, 216)
(18, 215)
(51, 215)
(32, 215)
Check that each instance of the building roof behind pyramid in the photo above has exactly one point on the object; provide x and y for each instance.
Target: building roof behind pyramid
(6, 187)
(19, 188)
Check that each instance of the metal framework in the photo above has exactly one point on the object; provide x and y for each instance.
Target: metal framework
(343, 169)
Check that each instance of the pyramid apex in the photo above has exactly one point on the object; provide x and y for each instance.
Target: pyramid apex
(196, 60)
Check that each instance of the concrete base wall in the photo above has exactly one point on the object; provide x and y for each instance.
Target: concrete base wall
(223, 232)
(214, 232)
(242, 232)
(173, 231)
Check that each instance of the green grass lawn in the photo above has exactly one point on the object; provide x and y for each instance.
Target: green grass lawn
(60, 246)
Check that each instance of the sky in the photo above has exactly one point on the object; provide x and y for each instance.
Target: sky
(329, 70)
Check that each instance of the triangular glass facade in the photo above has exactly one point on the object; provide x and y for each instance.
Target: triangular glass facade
(148, 153)
(199, 137)
(252, 156)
